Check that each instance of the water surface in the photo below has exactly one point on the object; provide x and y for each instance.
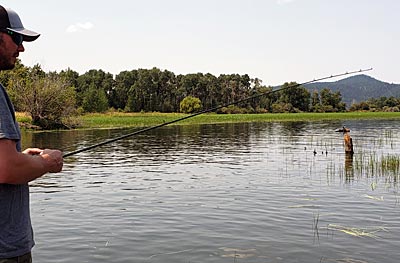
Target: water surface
(220, 193)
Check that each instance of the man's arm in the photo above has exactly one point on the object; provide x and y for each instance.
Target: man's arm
(21, 168)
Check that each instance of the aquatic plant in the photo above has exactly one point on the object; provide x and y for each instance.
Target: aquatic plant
(357, 232)
(371, 165)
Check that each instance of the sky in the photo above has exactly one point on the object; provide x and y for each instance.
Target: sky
(276, 41)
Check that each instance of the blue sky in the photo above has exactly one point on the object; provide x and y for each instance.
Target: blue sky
(273, 40)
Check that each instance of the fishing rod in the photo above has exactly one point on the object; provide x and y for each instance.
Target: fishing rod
(209, 110)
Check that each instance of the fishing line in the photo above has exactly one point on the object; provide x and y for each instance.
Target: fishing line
(208, 110)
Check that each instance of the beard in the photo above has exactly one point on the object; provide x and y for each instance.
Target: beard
(7, 60)
(6, 64)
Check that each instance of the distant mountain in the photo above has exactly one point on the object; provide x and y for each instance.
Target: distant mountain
(358, 88)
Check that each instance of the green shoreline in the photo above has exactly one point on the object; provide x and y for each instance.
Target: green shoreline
(120, 120)
(127, 120)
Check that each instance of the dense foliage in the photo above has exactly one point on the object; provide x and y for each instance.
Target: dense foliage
(154, 90)
(52, 97)
(384, 104)
(48, 98)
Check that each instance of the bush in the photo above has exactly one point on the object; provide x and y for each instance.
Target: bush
(48, 99)
(190, 104)
(282, 107)
(232, 109)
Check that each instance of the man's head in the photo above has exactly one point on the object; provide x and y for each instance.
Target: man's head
(12, 34)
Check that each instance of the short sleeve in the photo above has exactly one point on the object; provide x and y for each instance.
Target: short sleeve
(8, 126)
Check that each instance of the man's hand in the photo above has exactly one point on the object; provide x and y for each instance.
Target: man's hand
(33, 151)
(53, 160)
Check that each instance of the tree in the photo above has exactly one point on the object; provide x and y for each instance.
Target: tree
(142, 94)
(297, 96)
(190, 104)
(49, 99)
(260, 104)
(97, 78)
(94, 100)
(315, 102)
(331, 101)
(70, 76)
(123, 83)
(234, 87)
(167, 93)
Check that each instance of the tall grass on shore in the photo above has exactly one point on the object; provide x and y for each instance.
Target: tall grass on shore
(116, 119)
(120, 120)
(23, 117)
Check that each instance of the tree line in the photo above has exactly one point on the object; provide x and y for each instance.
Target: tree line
(52, 98)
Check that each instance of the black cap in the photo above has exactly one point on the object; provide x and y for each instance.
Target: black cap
(10, 20)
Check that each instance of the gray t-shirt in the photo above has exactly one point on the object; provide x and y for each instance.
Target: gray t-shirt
(16, 235)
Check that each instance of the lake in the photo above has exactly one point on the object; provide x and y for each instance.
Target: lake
(248, 192)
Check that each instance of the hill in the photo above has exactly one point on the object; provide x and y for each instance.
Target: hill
(358, 88)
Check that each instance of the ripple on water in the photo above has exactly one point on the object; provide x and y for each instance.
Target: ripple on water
(220, 193)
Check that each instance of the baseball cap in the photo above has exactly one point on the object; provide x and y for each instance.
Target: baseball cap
(10, 20)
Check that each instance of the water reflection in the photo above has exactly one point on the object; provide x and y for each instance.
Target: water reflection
(226, 136)
(294, 128)
(348, 166)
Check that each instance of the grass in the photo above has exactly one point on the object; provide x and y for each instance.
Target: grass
(23, 117)
(117, 119)
(120, 120)
(370, 164)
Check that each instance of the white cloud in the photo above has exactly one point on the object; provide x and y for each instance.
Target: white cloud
(282, 2)
(78, 27)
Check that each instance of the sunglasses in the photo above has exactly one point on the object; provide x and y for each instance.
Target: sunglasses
(17, 38)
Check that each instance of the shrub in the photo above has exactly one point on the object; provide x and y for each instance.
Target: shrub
(190, 104)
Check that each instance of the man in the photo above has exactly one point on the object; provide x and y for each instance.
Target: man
(17, 168)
